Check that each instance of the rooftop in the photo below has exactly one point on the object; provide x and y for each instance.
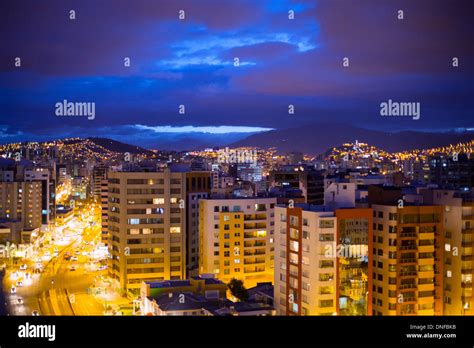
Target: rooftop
(190, 301)
(162, 284)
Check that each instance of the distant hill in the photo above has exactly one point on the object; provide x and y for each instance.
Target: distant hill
(318, 138)
(117, 146)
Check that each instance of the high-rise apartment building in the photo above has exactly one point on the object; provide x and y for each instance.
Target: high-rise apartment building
(304, 178)
(454, 172)
(48, 190)
(99, 174)
(146, 223)
(198, 186)
(354, 230)
(305, 261)
(104, 202)
(406, 259)
(458, 249)
(21, 201)
(236, 239)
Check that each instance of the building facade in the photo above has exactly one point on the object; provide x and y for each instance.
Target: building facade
(305, 261)
(147, 227)
(406, 255)
(236, 239)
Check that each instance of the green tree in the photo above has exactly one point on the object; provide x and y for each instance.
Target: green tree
(238, 290)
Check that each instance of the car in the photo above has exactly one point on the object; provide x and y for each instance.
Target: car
(74, 258)
(13, 290)
(19, 284)
(35, 313)
(77, 252)
(72, 268)
(19, 300)
(23, 267)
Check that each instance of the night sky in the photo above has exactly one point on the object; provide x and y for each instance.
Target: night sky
(191, 62)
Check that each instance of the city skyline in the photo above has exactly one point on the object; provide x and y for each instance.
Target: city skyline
(299, 164)
(140, 63)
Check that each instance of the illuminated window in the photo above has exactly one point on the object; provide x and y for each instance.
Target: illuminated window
(175, 229)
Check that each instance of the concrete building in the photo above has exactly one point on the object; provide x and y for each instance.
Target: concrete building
(354, 231)
(99, 175)
(307, 179)
(458, 249)
(339, 194)
(147, 226)
(48, 190)
(22, 201)
(104, 203)
(406, 260)
(198, 186)
(236, 239)
(305, 261)
(197, 296)
(80, 188)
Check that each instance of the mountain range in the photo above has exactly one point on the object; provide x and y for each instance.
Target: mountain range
(318, 138)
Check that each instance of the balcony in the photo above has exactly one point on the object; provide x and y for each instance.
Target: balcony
(255, 253)
(426, 262)
(467, 244)
(426, 287)
(467, 257)
(466, 271)
(253, 261)
(468, 217)
(406, 261)
(251, 218)
(410, 299)
(407, 247)
(254, 270)
(408, 235)
(468, 230)
(254, 226)
(426, 248)
(466, 285)
(254, 245)
(255, 235)
(408, 274)
(407, 286)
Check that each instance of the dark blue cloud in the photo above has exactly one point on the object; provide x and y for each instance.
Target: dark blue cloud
(191, 62)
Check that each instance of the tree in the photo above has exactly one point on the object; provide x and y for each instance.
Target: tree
(238, 290)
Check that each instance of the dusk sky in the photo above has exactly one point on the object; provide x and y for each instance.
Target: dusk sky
(190, 62)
